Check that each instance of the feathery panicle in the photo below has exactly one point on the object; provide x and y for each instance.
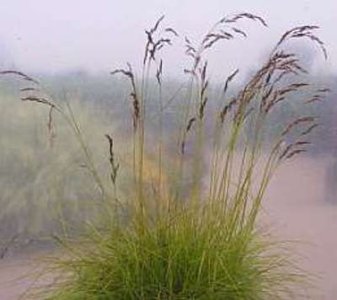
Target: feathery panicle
(20, 74)
(114, 166)
(303, 32)
(133, 94)
(154, 44)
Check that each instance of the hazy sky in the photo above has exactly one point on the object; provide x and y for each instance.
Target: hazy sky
(42, 35)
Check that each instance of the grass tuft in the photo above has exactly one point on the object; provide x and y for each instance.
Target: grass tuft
(189, 230)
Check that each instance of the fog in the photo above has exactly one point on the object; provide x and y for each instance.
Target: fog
(47, 36)
(71, 46)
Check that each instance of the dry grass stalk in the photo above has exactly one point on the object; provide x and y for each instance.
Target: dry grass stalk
(114, 166)
(133, 94)
(20, 74)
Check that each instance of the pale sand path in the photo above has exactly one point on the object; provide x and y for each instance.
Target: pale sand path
(296, 205)
(17, 276)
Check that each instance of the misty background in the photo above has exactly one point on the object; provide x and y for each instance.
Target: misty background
(56, 36)
(91, 38)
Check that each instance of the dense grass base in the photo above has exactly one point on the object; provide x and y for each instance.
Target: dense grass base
(191, 255)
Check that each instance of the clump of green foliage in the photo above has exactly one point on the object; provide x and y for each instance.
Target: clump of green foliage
(188, 228)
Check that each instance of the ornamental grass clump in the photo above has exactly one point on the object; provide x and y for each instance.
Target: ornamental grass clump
(190, 229)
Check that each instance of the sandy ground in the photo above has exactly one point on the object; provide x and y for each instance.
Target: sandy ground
(296, 209)
(20, 276)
